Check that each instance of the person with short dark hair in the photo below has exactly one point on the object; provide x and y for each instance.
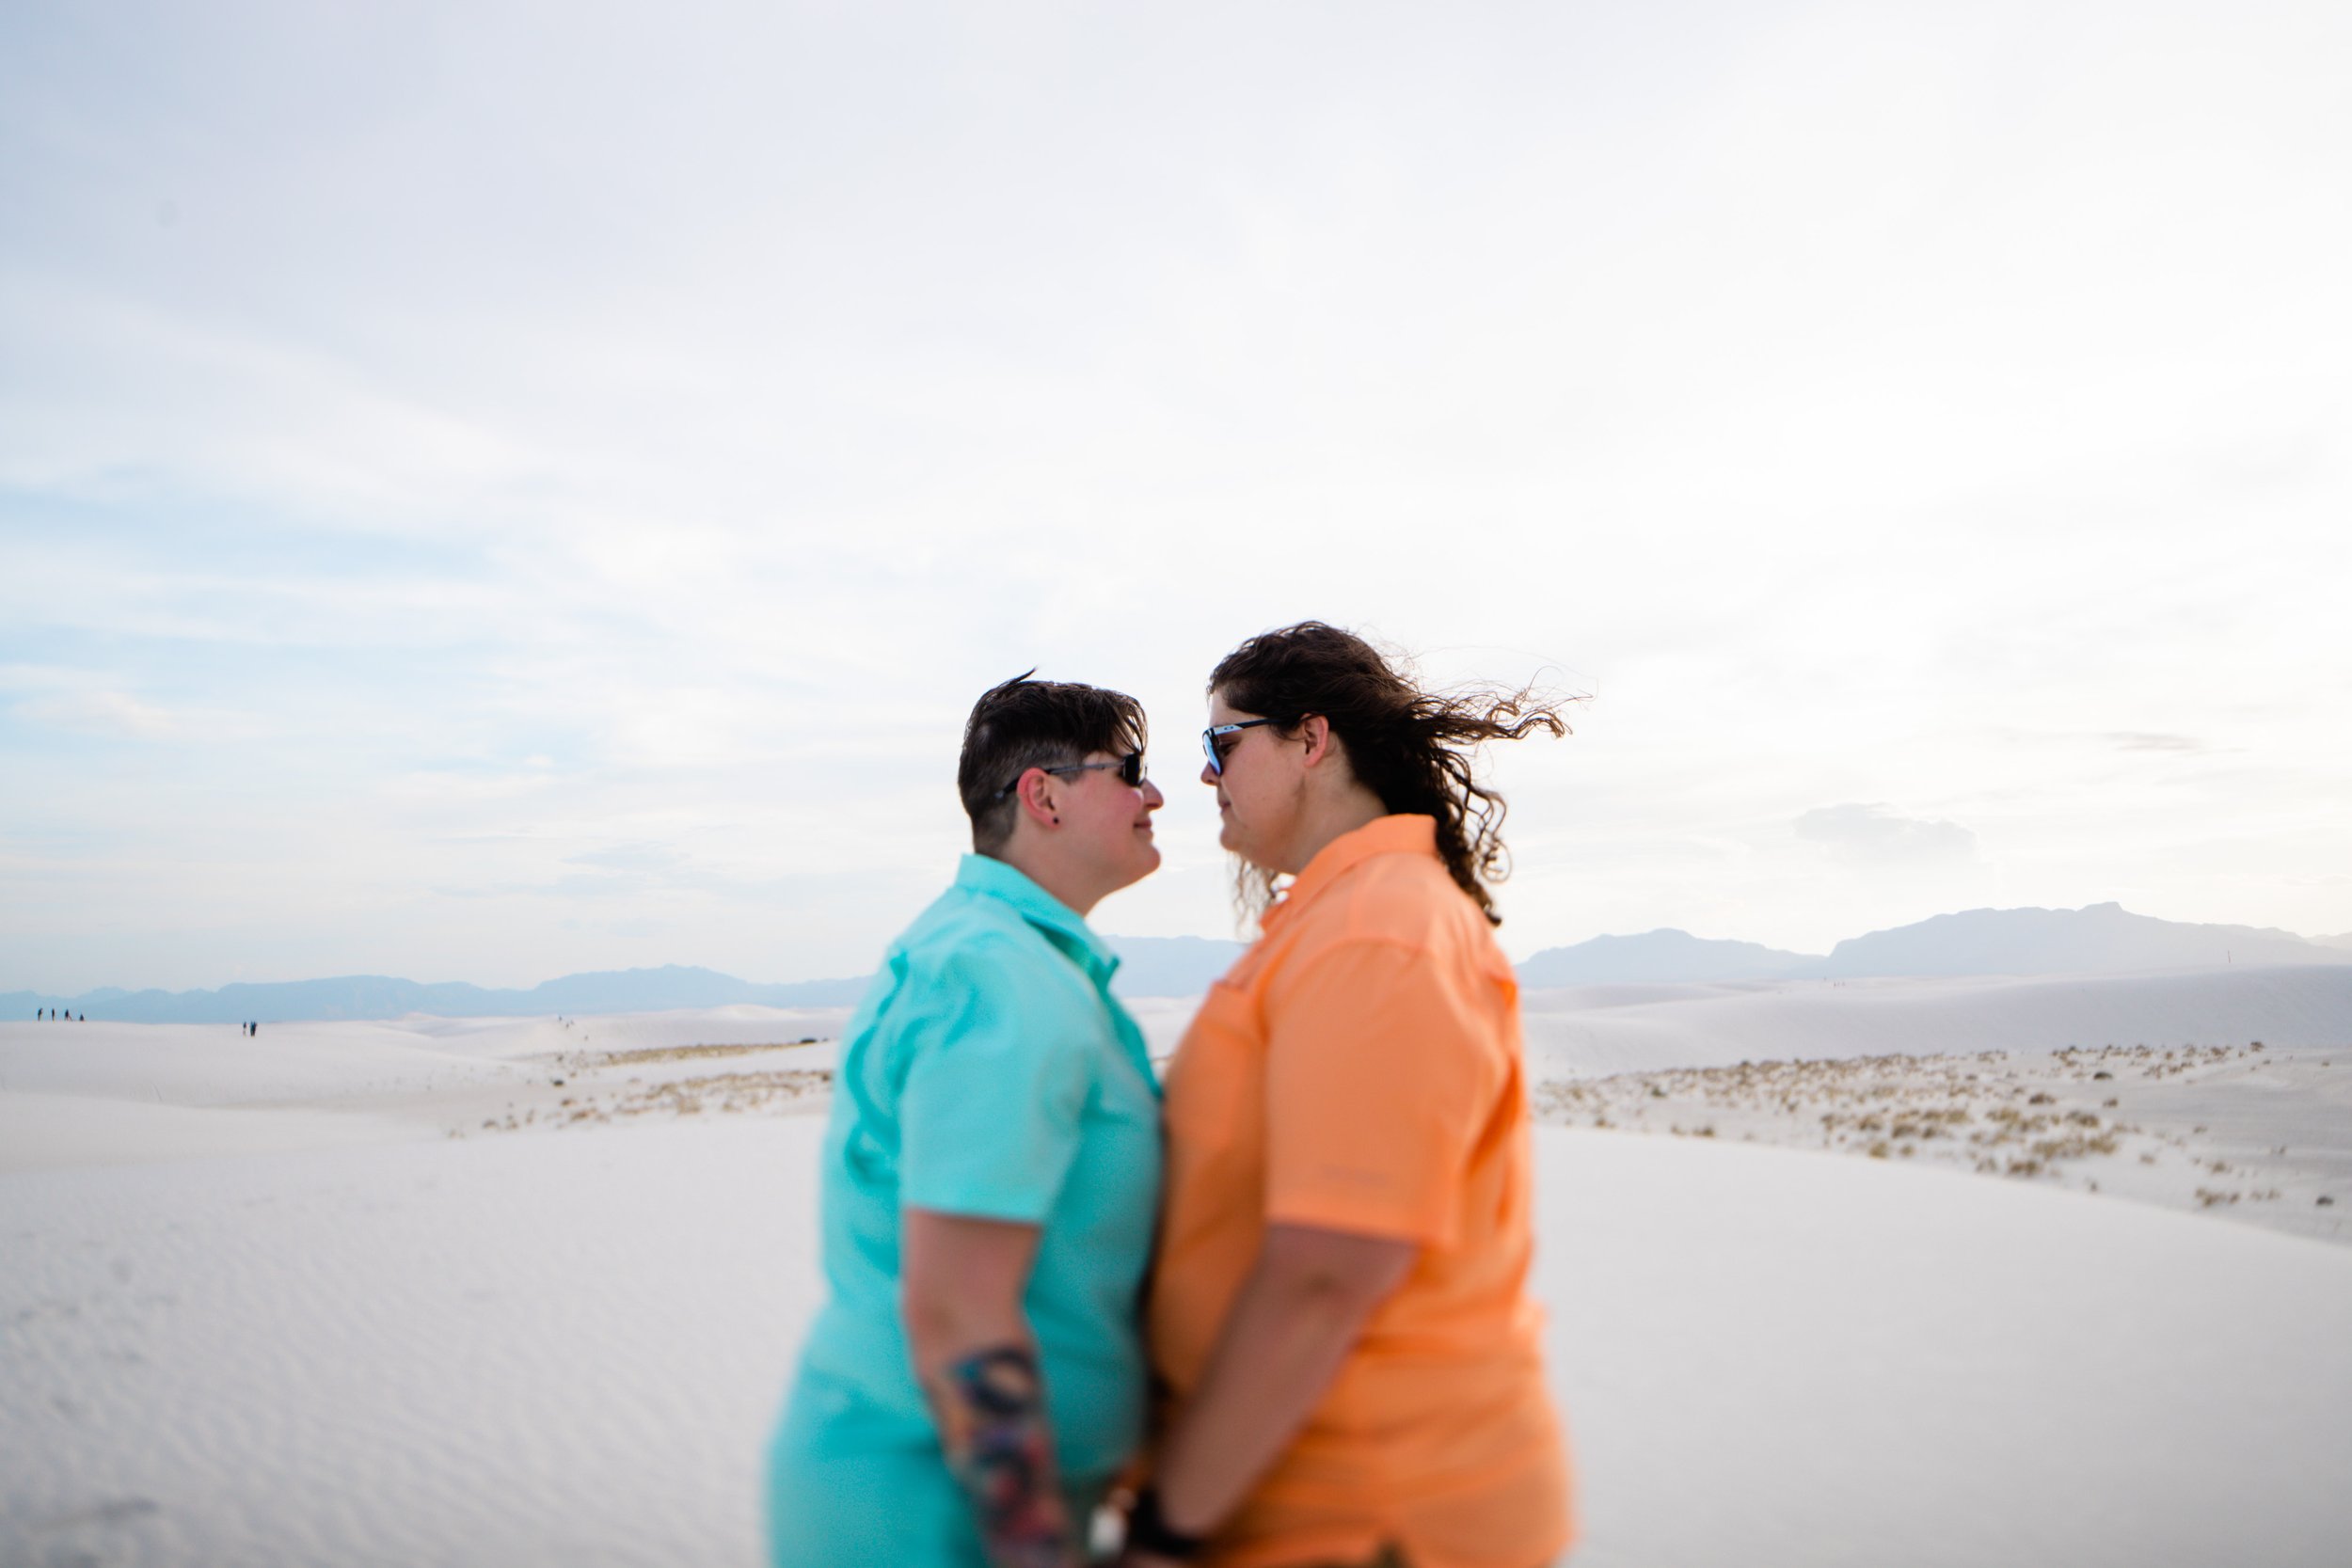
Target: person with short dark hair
(1338, 1308)
(975, 1380)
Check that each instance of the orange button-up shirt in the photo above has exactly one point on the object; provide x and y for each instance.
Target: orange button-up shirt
(1360, 1069)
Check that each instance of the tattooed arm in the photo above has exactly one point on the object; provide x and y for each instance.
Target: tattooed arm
(960, 1295)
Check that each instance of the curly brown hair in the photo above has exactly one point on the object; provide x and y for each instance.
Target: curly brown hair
(1411, 747)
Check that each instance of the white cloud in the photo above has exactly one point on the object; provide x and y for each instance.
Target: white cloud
(110, 713)
(1872, 833)
(1869, 405)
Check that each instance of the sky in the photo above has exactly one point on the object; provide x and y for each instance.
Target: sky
(490, 491)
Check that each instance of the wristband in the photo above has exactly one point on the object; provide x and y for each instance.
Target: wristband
(1147, 1532)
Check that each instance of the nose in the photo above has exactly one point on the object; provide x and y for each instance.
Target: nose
(1152, 799)
(1208, 775)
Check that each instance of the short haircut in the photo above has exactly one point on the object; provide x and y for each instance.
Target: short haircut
(1022, 724)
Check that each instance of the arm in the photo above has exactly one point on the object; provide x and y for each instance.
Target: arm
(1296, 1318)
(960, 1295)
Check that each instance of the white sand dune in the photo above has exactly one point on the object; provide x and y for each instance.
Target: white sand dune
(218, 1064)
(1592, 1031)
(564, 1344)
(565, 1347)
(49, 1132)
(185, 1089)
(1772, 1358)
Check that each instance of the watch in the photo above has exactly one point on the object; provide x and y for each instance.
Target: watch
(1147, 1532)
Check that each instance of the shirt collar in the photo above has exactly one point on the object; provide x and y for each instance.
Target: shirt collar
(1403, 834)
(984, 874)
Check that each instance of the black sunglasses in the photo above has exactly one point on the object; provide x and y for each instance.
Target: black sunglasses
(1129, 772)
(1208, 739)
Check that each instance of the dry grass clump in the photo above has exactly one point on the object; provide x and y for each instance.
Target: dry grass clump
(725, 1093)
(719, 1094)
(2026, 1115)
(688, 1052)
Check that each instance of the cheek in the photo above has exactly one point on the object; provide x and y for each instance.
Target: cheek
(1240, 816)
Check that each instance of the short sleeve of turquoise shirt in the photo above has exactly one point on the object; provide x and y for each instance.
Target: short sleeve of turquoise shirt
(1001, 1071)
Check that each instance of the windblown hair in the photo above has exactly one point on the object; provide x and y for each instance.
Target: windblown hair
(1022, 724)
(1409, 747)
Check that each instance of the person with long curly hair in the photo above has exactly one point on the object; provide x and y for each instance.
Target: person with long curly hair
(1340, 1315)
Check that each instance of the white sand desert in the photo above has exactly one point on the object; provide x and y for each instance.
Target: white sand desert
(510, 1293)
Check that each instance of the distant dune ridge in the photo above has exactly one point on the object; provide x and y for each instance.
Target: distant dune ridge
(2100, 939)
(1595, 1030)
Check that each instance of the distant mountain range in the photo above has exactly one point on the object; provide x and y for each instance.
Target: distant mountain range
(2102, 939)
(1659, 958)
(364, 996)
(1149, 966)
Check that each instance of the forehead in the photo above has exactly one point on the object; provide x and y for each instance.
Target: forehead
(1223, 712)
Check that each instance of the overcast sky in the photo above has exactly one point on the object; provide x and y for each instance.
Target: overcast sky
(494, 490)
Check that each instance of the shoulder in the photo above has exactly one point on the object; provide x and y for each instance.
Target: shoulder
(971, 951)
(979, 938)
(1406, 902)
(1398, 925)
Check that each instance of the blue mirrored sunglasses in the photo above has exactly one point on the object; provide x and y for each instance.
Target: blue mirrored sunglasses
(1208, 740)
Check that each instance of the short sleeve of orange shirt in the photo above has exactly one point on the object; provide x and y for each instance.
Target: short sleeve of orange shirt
(1383, 1066)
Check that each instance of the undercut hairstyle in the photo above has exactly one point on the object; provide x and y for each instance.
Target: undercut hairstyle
(1024, 724)
(1411, 747)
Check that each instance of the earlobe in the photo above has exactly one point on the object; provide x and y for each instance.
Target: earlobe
(1038, 799)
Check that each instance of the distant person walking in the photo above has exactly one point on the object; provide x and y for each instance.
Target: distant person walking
(976, 1379)
(1340, 1304)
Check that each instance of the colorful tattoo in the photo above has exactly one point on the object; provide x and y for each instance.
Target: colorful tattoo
(992, 1423)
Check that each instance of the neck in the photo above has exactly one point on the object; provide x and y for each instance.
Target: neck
(1341, 813)
(1068, 883)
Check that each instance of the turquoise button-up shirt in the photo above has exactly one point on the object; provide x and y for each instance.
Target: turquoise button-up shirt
(990, 1072)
